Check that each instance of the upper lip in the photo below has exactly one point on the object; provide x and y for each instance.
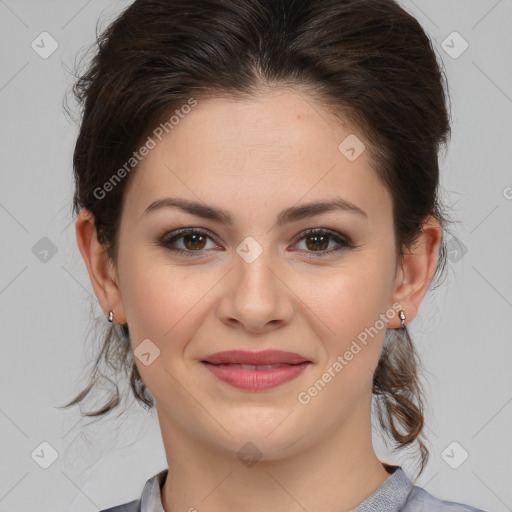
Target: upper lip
(255, 358)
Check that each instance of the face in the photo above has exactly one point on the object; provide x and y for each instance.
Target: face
(311, 282)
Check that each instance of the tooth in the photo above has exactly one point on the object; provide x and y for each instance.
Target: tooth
(260, 366)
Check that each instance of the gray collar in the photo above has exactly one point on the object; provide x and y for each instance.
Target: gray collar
(390, 496)
(150, 500)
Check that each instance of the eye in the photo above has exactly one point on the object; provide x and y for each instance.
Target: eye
(318, 240)
(191, 240)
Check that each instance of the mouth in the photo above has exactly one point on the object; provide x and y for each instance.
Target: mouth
(256, 366)
(263, 360)
(256, 371)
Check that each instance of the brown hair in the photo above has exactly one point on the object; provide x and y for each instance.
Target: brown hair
(366, 60)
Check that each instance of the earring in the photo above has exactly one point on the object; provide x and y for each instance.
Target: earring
(401, 314)
(110, 316)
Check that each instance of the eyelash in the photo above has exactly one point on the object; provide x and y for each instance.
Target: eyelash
(343, 241)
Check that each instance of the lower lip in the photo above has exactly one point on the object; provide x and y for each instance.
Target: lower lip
(256, 380)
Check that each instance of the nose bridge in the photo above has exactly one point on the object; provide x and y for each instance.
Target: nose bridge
(255, 276)
(255, 295)
(257, 287)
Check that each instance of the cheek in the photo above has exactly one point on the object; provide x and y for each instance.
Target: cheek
(163, 302)
(155, 297)
(348, 301)
(352, 338)
(351, 296)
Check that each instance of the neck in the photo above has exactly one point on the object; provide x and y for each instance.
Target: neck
(334, 475)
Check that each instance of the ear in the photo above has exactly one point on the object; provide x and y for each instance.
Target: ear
(416, 271)
(102, 272)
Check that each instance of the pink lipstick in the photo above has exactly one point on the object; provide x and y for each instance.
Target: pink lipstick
(256, 371)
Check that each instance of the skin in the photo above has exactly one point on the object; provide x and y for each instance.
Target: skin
(254, 158)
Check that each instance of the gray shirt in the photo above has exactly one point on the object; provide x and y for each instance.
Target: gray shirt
(396, 494)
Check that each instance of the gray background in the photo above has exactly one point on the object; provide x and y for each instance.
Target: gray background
(462, 332)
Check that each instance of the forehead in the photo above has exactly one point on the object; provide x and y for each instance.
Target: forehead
(275, 148)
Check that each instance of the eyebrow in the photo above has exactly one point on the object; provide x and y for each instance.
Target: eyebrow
(288, 215)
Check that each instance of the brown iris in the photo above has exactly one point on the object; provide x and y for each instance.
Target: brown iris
(191, 241)
(320, 241)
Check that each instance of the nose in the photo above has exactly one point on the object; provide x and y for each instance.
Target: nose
(255, 297)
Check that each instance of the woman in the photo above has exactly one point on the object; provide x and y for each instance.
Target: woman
(258, 211)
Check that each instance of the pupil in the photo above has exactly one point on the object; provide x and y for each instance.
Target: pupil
(319, 241)
(196, 239)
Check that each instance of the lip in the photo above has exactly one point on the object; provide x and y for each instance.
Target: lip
(226, 366)
(255, 380)
(256, 358)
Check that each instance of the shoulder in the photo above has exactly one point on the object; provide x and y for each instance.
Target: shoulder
(419, 500)
(132, 506)
(150, 498)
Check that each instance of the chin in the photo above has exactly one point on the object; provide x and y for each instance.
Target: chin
(273, 442)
